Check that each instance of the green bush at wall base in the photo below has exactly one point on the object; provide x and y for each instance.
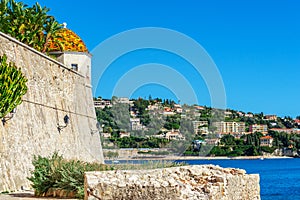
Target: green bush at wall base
(54, 174)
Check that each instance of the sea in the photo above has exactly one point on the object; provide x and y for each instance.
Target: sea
(279, 178)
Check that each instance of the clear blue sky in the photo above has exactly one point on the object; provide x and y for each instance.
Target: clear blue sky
(254, 43)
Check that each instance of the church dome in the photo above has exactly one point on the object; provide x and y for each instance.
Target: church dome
(67, 40)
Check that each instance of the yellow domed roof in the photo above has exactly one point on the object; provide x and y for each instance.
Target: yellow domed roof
(67, 40)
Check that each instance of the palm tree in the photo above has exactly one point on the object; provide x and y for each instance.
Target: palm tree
(51, 29)
(3, 15)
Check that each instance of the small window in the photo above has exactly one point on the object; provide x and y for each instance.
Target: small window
(74, 67)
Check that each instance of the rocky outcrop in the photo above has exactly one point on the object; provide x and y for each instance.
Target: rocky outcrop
(186, 182)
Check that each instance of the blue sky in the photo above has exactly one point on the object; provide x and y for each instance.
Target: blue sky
(255, 45)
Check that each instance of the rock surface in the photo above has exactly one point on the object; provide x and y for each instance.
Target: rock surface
(187, 182)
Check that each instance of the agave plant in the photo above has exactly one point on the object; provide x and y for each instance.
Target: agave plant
(12, 86)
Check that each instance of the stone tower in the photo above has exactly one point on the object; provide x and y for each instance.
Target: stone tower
(70, 50)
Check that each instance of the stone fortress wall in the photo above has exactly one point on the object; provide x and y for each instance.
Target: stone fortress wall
(54, 91)
(207, 182)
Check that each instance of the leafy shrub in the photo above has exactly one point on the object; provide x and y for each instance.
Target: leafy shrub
(55, 173)
(268, 149)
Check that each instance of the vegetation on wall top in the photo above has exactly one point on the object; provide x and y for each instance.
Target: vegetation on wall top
(30, 25)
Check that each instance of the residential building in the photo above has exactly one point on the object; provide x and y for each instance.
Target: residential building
(106, 135)
(153, 107)
(199, 107)
(168, 111)
(229, 127)
(286, 130)
(227, 113)
(200, 127)
(102, 103)
(250, 115)
(177, 108)
(212, 141)
(135, 124)
(174, 135)
(297, 121)
(266, 141)
(262, 128)
(124, 100)
(241, 114)
(124, 134)
(271, 117)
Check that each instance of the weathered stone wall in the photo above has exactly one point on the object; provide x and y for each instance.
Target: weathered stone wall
(187, 182)
(53, 92)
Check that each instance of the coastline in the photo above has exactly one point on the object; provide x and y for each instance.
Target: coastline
(174, 158)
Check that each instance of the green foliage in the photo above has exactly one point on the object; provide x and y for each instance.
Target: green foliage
(172, 122)
(105, 117)
(139, 142)
(56, 173)
(30, 25)
(268, 149)
(111, 154)
(12, 86)
(140, 106)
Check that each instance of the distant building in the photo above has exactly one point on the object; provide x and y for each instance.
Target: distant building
(286, 130)
(262, 128)
(297, 121)
(174, 135)
(266, 141)
(102, 103)
(106, 135)
(153, 107)
(177, 108)
(135, 124)
(227, 113)
(168, 111)
(271, 117)
(123, 100)
(200, 127)
(212, 141)
(199, 107)
(229, 127)
(250, 115)
(124, 134)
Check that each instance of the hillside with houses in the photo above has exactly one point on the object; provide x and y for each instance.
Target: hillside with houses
(149, 126)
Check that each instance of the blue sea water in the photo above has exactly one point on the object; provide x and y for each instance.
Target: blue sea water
(279, 178)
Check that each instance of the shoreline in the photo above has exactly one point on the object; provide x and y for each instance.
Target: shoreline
(174, 158)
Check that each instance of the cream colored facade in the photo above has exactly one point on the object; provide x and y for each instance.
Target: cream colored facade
(262, 128)
(229, 127)
(200, 127)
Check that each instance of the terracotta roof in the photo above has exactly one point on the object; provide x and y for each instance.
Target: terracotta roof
(266, 137)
